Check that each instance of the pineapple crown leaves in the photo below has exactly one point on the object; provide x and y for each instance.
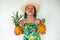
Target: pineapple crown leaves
(16, 18)
(43, 20)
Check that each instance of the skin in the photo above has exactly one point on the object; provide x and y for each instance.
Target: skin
(30, 12)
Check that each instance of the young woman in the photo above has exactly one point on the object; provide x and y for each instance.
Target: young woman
(30, 22)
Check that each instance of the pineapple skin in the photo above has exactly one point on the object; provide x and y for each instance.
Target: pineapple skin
(18, 30)
(42, 28)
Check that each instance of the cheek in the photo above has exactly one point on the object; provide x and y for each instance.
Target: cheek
(33, 11)
(27, 11)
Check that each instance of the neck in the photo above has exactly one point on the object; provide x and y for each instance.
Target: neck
(30, 17)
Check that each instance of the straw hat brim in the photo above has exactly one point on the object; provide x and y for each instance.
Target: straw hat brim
(35, 4)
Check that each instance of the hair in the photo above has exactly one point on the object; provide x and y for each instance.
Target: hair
(25, 16)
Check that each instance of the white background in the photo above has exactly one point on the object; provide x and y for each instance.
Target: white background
(49, 9)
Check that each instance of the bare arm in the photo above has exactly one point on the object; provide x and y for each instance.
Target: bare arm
(41, 27)
(21, 23)
(38, 21)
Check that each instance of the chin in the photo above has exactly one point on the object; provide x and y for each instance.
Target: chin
(30, 13)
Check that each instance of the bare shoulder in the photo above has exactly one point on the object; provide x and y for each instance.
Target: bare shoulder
(38, 21)
(22, 20)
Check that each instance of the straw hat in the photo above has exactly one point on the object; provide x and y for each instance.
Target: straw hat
(37, 6)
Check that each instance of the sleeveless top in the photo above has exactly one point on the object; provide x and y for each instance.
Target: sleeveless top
(30, 31)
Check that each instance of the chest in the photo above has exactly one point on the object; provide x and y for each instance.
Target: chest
(30, 27)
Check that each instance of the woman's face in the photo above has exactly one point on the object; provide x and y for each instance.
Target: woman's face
(29, 10)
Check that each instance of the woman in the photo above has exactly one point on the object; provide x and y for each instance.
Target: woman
(30, 22)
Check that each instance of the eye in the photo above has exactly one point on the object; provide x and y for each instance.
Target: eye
(28, 8)
(32, 8)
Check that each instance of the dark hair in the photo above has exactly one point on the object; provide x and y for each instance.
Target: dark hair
(25, 16)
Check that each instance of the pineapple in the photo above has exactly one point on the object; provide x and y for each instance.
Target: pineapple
(42, 27)
(16, 19)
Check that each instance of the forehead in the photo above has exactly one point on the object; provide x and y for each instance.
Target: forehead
(29, 6)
